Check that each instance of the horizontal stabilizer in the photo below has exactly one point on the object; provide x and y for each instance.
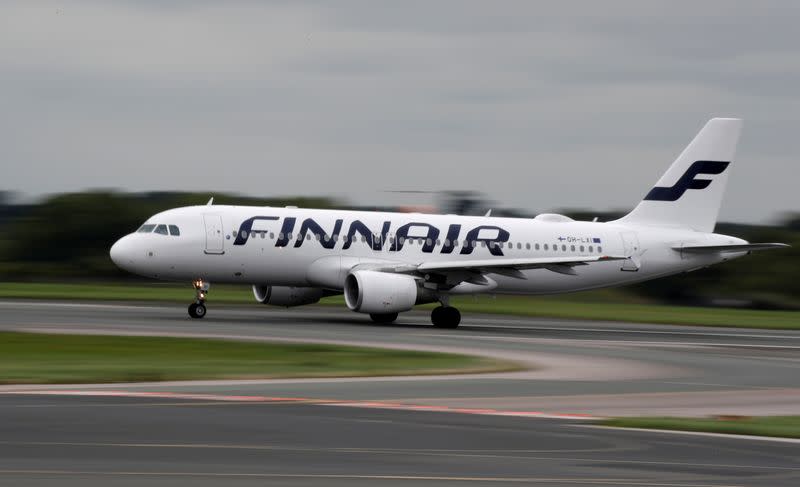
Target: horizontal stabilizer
(711, 249)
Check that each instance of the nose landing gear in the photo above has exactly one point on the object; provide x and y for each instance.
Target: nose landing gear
(198, 308)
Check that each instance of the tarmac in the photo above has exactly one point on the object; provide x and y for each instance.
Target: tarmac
(532, 426)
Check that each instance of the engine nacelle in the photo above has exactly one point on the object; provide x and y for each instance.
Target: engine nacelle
(381, 292)
(287, 296)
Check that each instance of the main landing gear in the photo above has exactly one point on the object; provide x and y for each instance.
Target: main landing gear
(445, 317)
(198, 308)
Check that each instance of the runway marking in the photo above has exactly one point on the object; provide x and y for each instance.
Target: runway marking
(323, 402)
(419, 478)
(697, 433)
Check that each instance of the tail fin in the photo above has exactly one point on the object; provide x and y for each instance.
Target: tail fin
(689, 194)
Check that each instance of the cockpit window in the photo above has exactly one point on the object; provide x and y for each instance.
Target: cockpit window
(161, 229)
(147, 228)
(174, 230)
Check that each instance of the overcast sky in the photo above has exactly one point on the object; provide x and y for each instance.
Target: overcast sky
(540, 105)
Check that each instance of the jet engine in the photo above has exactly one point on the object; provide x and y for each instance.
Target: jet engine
(382, 293)
(287, 296)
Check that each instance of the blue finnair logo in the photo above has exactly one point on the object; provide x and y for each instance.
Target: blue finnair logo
(312, 233)
(688, 181)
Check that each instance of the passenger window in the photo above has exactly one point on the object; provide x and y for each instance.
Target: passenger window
(145, 229)
(428, 241)
(161, 230)
(582, 248)
(174, 231)
(564, 248)
(572, 248)
(591, 248)
(599, 249)
(537, 246)
(546, 247)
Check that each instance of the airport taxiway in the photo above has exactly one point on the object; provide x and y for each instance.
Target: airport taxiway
(441, 430)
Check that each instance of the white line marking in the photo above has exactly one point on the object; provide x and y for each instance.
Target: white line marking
(696, 433)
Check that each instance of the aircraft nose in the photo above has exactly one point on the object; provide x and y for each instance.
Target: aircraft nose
(122, 252)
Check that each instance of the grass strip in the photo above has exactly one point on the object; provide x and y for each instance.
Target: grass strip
(777, 426)
(608, 305)
(33, 358)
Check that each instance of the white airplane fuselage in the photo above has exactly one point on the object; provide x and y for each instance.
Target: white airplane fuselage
(213, 246)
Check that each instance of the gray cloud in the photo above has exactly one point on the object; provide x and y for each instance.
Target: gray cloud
(583, 104)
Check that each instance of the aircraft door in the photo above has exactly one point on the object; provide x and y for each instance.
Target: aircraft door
(630, 245)
(215, 239)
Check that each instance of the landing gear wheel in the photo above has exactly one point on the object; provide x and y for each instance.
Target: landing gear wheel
(445, 317)
(383, 317)
(197, 310)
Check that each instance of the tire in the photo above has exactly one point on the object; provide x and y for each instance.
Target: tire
(197, 310)
(445, 317)
(383, 317)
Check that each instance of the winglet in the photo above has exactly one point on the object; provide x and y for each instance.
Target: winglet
(210, 202)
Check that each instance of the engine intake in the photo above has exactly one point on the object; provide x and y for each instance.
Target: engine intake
(381, 292)
(287, 296)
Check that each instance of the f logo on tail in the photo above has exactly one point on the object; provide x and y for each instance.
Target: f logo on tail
(688, 181)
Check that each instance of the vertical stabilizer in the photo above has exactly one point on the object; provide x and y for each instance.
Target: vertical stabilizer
(690, 193)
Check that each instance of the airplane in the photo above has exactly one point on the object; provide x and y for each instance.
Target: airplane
(387, 263)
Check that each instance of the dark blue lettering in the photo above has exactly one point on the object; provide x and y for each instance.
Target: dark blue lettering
(325, 240)
(450, 240)
(473, 236)
(359, 227)
(286, 232)
(246, 227)
(402, 234)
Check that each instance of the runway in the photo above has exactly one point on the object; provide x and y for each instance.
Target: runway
(395, 431)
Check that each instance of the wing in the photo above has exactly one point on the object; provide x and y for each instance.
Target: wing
(451, 273)
(711, 249)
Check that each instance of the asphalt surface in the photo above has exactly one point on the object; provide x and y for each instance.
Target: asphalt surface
(121, 441)
(166, 436)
